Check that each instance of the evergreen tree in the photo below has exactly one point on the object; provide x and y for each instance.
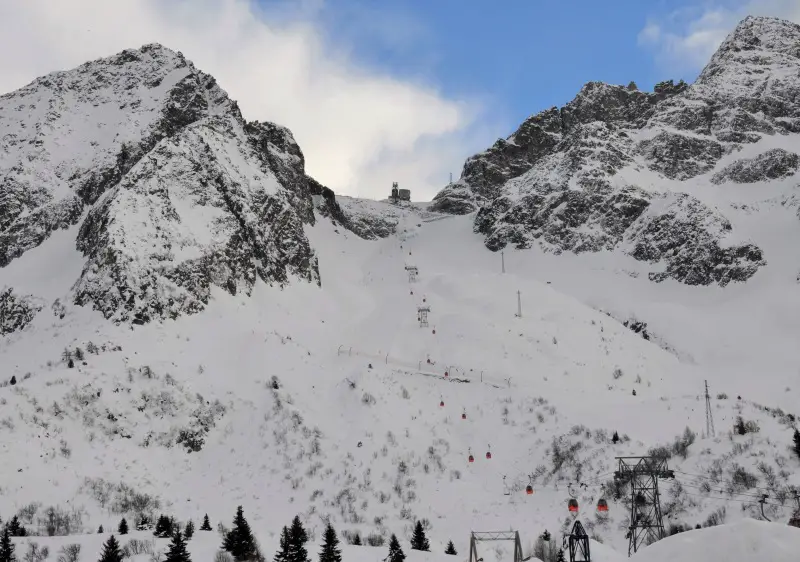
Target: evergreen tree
(357, 539)
(451, 549)
(797, 443)
(177, 549)
(7, 547)
(189, 532)
(164, 526)
(123, 527)
(560, 557)
(283, 551)
(13, 380)
(111, 552)
(206, 526)
(15, 529)
(330, 546)
(615, 438)
(297, 540)
(297, 531)
(100, 530)
(418, 540)
(239, 541)
(395, 552)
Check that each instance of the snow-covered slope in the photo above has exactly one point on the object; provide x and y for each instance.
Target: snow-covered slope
(187, 411)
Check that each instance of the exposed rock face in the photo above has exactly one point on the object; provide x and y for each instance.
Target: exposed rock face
(771, 165)
(682, 232)
(16, 311)
(175, 191)
(586, 177)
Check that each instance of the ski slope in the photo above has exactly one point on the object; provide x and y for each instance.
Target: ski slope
(369, 447)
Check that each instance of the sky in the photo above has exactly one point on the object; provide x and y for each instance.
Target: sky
(377, 91)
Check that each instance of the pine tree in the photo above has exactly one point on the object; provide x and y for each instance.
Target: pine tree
(239, 541)
(111, 552)
(283, 551)
(13, 380)
(189, 532)
(797, 442)
(451, 549)
(100, 530)
(164, 526)
(418, 540)
(330, 546)
(206, 526)
(560, 557)
(615, 438)
(357, 539)
(395, 552)
(15, 529)
(297, 531)
(297, 540)
(7, 547)
(123, 527)
(177, 549)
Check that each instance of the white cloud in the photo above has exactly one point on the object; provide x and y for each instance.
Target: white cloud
(357, 128)
(684, 40)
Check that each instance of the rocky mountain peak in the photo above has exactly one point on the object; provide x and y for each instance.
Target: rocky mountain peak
(760, 56)
(173, 191)
(587, 176)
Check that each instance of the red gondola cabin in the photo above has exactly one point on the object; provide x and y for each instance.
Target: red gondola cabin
(529, 490)
(573, 505)
(602, 505)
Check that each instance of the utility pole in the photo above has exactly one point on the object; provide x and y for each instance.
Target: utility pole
(503, 260)
(709, 416)
(646, 523)
(451, 177)
(519, 305)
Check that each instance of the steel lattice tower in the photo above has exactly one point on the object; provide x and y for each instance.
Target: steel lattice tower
(646, 522)
(709, 417)
(475, 537)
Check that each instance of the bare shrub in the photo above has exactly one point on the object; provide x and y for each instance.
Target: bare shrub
(69, 553)
(35, 553)
(134, 547)
(740, 478)
(716, 518)
(617, 373)
(374, 539)
(367, 399)
(351, 537)
(682, 443)
(28, 512)
(55, 521)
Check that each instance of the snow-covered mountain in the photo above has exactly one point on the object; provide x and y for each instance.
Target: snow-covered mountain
(172, 189)
(189, 322)
(617, 169)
